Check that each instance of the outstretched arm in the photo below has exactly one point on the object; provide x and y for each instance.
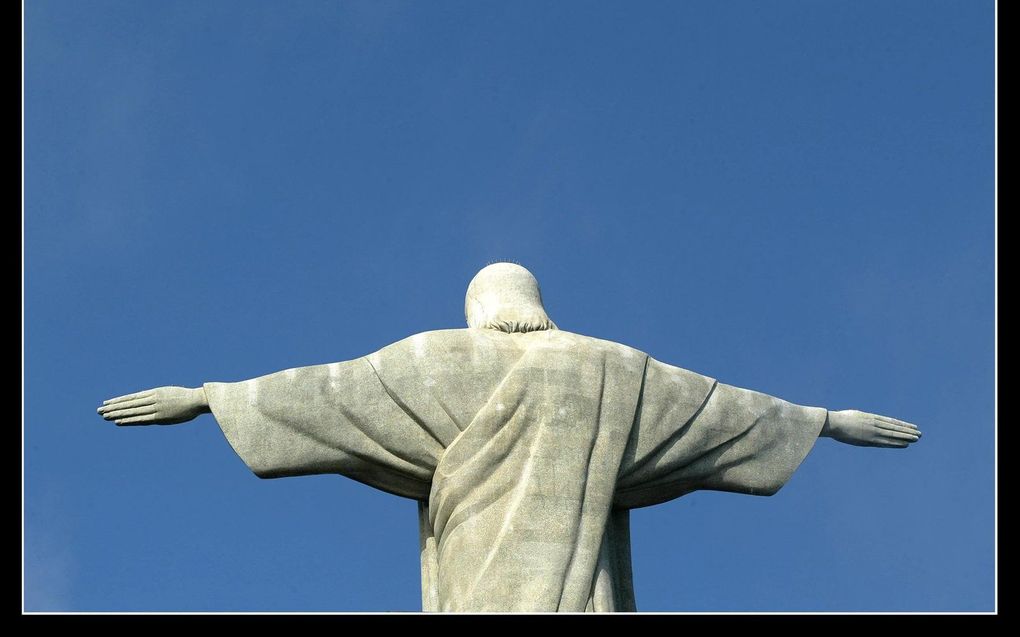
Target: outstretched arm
(158, 406)
(335, 418)
(868, 430)
(691, 432)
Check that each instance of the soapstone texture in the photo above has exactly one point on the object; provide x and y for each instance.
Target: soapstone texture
(525, 450)
(524, 445)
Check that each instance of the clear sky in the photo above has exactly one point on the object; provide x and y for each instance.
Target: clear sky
(794, 197)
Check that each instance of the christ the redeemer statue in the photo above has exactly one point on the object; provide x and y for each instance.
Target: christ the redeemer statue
(524, 445)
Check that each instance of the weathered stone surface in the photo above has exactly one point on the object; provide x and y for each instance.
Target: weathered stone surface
(525, 445)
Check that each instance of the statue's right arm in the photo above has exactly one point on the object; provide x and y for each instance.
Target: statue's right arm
(158, 406)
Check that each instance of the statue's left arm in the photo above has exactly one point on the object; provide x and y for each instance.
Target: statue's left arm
(692, 432)
(335, 418)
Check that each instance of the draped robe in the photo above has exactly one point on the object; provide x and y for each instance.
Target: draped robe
(525, 452)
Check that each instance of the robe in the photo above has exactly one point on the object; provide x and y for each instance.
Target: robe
(525, 452)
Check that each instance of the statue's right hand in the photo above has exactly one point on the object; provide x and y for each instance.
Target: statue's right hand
(159, 406)
(862, 429)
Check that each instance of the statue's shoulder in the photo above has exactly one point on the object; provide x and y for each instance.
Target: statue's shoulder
(573, 340)
(656, 368)
(449, 340)
(436, 341)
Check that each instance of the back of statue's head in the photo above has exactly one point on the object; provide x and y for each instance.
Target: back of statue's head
(505, 296)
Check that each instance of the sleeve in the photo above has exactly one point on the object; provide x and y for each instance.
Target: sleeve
(335, 418)
(691, 432)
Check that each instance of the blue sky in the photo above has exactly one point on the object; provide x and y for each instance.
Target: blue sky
(794, 197)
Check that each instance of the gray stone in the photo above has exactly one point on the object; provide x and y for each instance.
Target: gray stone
(525, 445)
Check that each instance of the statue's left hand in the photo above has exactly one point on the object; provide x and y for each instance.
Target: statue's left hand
(159, 406)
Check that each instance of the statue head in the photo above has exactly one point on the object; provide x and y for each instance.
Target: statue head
(505, 297)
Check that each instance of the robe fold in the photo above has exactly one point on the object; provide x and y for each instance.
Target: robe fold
(525, 452)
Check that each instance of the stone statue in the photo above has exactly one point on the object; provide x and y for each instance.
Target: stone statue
(524, 445)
